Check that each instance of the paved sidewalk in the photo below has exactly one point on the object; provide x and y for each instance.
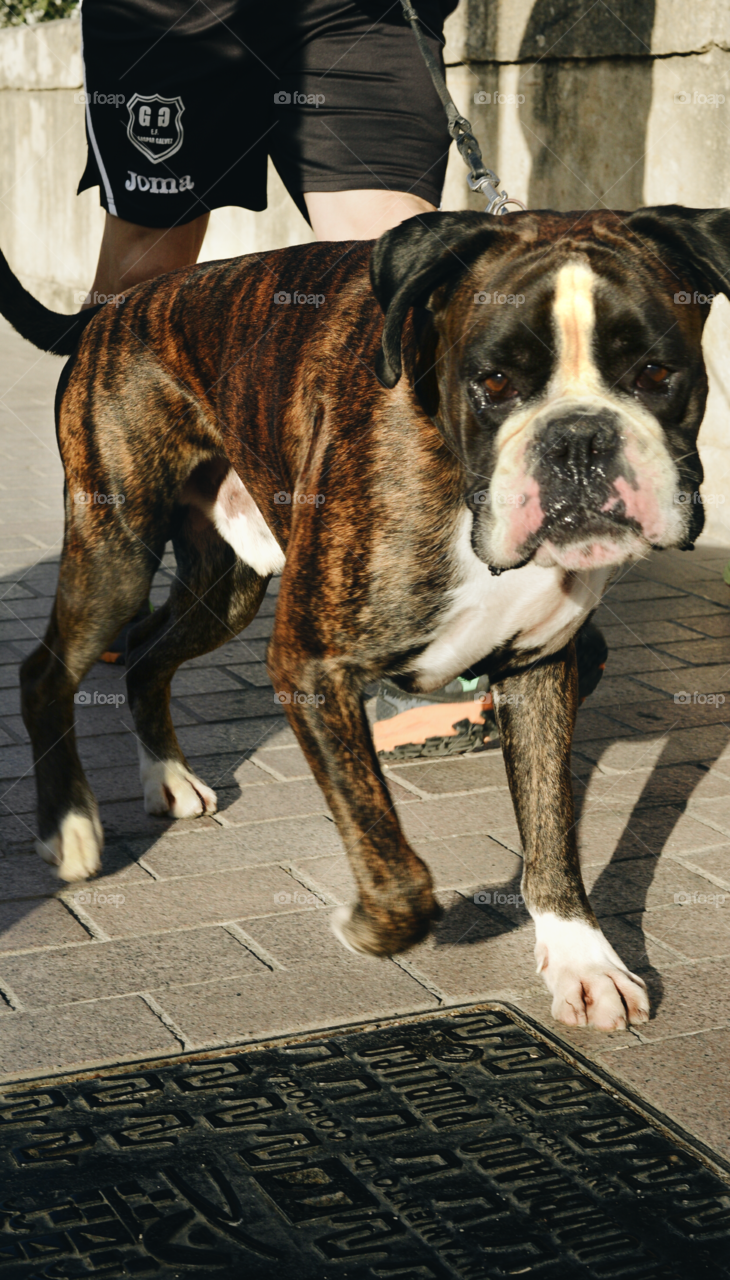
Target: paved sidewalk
(207, 932)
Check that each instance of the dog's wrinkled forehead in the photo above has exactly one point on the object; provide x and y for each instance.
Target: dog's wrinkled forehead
(653, 258)
(568, 296)
(582, 315)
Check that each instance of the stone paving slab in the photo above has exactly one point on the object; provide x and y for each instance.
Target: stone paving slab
(93, 1032)
(696, 930)
(61, 976)
(651, 882)
(490, 812)
(453, 960)
(188, 901)
(203, 932)
(685, 1077)
(323, 992)
(452, 777)
(713, 863)
(688, 608)
(46, 924)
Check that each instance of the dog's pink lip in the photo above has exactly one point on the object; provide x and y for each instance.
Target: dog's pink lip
(640, 505)
(526, 516)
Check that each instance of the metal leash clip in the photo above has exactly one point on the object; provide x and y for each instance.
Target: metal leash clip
(497, 201)
(479, 177)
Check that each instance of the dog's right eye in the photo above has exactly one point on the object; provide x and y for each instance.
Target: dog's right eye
(653, 377)
(499, 389)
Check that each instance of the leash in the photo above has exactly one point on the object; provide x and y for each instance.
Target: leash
(479, 177)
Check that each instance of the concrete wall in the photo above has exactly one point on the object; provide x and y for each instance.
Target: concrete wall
(608, 105)
(578, 104)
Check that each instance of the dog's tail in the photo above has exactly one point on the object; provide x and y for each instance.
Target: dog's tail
(46, 329)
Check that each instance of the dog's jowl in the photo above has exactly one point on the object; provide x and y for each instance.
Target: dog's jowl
(447, 480)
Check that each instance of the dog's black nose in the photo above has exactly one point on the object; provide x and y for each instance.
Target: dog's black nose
(580, 445)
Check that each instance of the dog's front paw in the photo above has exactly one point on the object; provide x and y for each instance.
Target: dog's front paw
(74, 849)
(367, 937)
(589, 984)
(172, 790)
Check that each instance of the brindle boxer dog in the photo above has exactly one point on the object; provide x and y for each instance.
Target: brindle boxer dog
(555, 439)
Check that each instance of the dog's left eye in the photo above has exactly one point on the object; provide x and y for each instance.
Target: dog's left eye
(653, 377)
(499, 388)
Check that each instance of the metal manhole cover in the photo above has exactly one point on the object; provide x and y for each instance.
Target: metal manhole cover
(457, 1145)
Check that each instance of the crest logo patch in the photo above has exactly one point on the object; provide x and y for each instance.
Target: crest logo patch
(154, 126)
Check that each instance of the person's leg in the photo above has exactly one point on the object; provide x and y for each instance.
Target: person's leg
(130, 254)
(360, 215)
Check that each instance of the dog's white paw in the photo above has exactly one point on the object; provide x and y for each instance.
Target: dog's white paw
(589, 984)
(171, 789)
(74, 850)
(340, 924)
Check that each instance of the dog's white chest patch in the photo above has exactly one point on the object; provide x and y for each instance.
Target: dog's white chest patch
(537, 608)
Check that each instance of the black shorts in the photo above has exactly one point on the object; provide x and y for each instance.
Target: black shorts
(185, 101)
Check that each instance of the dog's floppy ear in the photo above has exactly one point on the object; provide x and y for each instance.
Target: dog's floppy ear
(408, 263)
(698, 238)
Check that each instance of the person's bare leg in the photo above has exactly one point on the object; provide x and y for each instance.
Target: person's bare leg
(360, 215)
(130, 254)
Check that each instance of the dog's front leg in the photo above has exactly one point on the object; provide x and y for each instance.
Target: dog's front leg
(590, 985)
(324, 704)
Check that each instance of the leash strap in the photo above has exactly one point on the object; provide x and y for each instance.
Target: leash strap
(479, 177)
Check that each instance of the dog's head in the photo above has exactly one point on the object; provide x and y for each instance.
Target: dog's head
(560, 356)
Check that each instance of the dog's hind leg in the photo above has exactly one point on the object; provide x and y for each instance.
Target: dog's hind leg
(213, 597)
(102, 584)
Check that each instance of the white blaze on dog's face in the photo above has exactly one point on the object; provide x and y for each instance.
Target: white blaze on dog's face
(576, 462)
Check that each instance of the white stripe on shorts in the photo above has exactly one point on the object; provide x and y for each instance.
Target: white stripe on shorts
(92, 136)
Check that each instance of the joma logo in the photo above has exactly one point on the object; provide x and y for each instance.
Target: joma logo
(158, 186)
